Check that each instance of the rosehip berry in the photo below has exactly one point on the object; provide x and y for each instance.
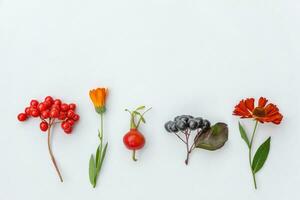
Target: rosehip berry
(45, 114)
(57, 102)
(72, 106)
(68, 131)
(76, 117)
(54, 113)
(34, 112)
(64, 107)
(71, 114)
(65, 125)
(44, 126)
(27, 111)
(34, 103)
(22, 117)
(71, 122)
(42, 107)
(62, 116)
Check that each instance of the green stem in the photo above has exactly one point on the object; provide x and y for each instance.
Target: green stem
(133, 156)
(132, 122)
(100, 135)
(250, 154)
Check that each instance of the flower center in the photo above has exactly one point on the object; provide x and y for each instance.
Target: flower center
(259, 112)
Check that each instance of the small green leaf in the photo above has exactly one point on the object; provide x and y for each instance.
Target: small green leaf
(103, 153)
(244, 134)
(140, 108)
(261, 156)
(136, 112)
(92, 171)
(98, 155)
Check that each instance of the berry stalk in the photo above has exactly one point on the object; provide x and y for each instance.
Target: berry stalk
(50, 151)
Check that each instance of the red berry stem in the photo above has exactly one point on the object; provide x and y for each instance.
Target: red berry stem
(50, 150)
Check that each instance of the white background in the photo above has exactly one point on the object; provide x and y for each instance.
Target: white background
(180, 57)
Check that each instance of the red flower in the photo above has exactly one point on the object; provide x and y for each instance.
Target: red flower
(263, 112)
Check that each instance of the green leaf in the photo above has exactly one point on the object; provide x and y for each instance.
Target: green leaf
(103, 153)
(261, 156)
(136, 112)
(244, 134)
(213, 139)
(140, 108)
(92, 171)
(98, 155)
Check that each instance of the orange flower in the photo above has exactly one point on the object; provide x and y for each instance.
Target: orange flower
(98, 97)
(263, 112)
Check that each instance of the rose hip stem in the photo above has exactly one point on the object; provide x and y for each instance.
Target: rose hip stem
(50, 150)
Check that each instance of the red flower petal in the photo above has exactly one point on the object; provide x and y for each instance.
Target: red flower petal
(262, 102)
(250, 104)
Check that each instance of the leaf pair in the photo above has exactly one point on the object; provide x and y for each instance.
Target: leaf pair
(261, 154)
(214, 138)
(96, 163)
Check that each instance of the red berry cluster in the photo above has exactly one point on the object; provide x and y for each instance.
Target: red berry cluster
(55, 111)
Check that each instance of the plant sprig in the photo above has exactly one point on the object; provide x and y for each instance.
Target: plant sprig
(136, 113)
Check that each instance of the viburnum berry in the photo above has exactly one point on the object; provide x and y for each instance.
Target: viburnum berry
(72, 106)
(57, 102)
(65, 125)
(35, 113)
(62, 115)
(71, 114)
(68, 130)
(45, 114)
(76, 117)
(49, 98)
(34, 103)
(55, 106)
(70, 121)
(64, 107)
(44, 126)
(42, 107)
(54, 113)
(27, 111)
(22, 117)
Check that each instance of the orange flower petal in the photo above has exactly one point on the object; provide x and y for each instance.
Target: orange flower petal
(250, 104)
(262, 102)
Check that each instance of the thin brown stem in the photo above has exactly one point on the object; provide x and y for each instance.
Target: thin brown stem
(50, 151)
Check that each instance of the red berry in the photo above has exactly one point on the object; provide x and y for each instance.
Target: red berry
(45, 114)
(27, 111)
(71, 114)
(71, 122)
(34, 103)
(72, 106)
(65, 125)
(48, 103)
(76, 117)
(64, 107)
(54, 113)
(55, 106)
(22, 117)
(57, 102)
(68, 131)
(49, 98)
(44, 126)
(34, 112)
(42, 107)
(62, 116)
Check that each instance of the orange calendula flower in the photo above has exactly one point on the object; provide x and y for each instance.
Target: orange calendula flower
(98, 97)
(263, 112)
